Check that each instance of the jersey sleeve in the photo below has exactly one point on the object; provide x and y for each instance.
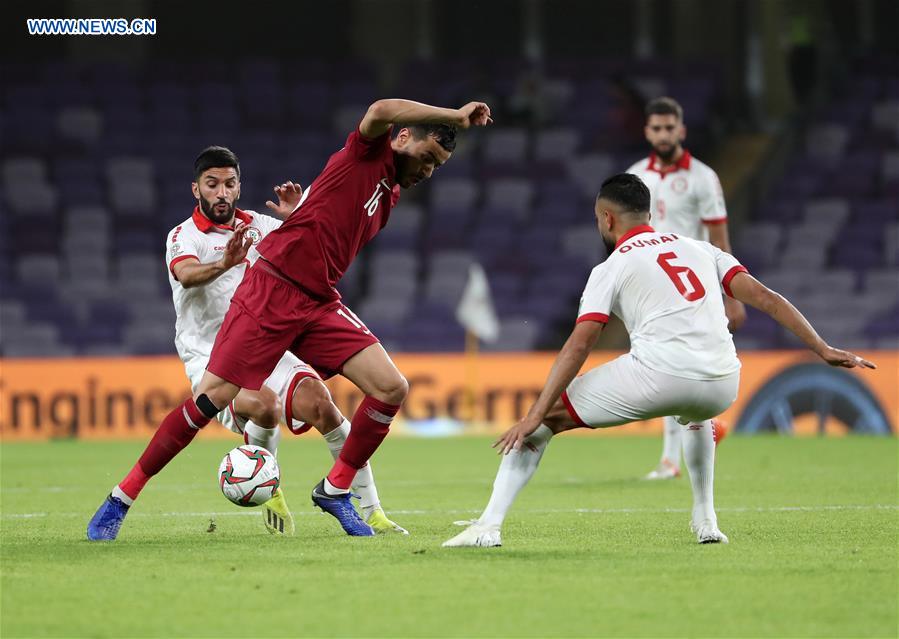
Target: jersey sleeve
(710, 198)
(180, 245)
(599, 294)
(362, 148)
(727, 266)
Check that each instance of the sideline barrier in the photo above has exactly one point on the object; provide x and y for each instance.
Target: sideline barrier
(112, 398)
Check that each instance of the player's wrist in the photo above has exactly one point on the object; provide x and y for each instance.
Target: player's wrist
(456, 117)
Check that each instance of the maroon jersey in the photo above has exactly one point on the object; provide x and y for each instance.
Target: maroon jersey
(341, 211)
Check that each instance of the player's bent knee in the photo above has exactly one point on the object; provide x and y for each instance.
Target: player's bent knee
(394, 392)
(263, 408)
(270, 414)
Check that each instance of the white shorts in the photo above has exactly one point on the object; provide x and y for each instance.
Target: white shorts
(626, 390)
(288, 374)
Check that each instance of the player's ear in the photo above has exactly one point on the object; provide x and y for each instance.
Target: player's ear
(195, 189)
(403, 136)
(683, 132)
(609, 219)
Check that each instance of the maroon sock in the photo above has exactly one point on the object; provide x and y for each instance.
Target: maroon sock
(176, 431)
(368, 429)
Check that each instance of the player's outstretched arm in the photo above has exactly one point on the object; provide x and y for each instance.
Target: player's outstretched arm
(750, 291)
(383, 113)
(191, 273)
(569, 361)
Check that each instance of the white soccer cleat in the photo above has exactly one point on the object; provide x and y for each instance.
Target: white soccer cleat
(465, 522)
(707, 532)
(666, 469)
(476, 535)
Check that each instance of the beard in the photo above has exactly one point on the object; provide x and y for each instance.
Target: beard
(402, 176)
(219, 217)
(609, 243)
(665, 154)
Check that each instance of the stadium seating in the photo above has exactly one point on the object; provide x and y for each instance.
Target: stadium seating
(95, 169)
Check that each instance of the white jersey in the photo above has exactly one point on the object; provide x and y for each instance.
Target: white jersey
(686, 197)
(666, 290)
(200, 310)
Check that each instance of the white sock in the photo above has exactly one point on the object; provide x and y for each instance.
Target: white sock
(268, 438)
(364, 481)
(671, 447)
(336, 438)
(699, 455)
(515, 470)
(331, 489)
(120, 494)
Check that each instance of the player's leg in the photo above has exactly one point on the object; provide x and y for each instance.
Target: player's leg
(245, 352)
(257, 415)
(669, 464)
(699, 456)
(699, 453)
(373, 372)
(385, 389)
(175, 432)
(602, 397)
(515, 470)
(338, 342)
(312, 405)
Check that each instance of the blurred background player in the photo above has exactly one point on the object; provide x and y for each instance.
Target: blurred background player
(206, 256)
(294, 280)
(666, 289)
(686, 199)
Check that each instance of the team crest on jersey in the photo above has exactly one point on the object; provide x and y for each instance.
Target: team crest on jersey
(679, 185)
(176, 250)
(254, 235)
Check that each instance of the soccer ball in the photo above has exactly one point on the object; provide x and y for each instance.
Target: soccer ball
(249, 475)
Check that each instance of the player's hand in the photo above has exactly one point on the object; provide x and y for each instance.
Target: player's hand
(735, 312)
(474, 114)
(289, 195)
(513, 439)
(845, 359)
(237, 247)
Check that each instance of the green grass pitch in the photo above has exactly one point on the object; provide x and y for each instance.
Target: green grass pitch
(589, 549)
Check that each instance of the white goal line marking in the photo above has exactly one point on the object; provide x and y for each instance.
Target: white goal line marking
(586, 511)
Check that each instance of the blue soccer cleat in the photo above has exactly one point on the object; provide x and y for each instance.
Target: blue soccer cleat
(105, 524)
(340, 508)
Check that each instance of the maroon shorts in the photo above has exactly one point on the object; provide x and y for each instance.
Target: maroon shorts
(268, 316)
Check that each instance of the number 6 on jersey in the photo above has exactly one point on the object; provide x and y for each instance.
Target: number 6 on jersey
(674, 272)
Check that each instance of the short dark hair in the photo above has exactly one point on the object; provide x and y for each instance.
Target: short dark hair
(664, 106)
(627, 191)
(214, 157)
(445, 134)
